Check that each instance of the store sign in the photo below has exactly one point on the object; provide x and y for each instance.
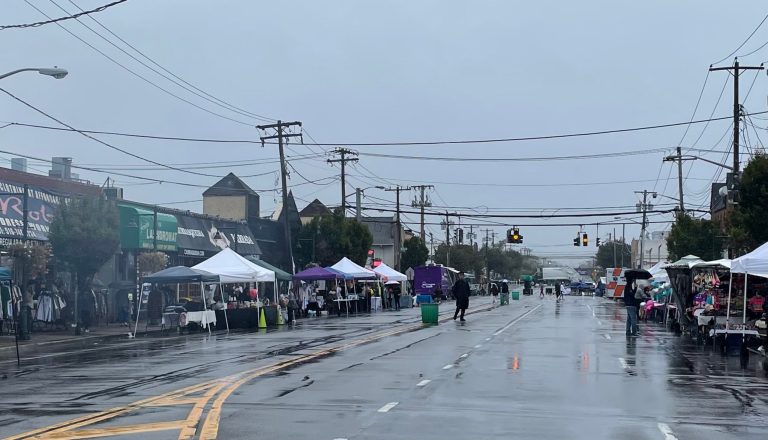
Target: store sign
(200, 237)
(41, 208)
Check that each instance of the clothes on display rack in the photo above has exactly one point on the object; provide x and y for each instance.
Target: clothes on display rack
(49, 307)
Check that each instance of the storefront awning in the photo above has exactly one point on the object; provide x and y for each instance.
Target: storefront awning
(137, 228)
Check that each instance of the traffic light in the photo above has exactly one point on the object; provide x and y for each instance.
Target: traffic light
(597, 242)
(461, 236)
(584, 239)
(576, 241)
(513, 236)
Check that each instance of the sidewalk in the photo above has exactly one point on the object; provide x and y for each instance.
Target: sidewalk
(66, 341)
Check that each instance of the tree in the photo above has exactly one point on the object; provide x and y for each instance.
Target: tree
(606, 252)
(31, 261)
(84, 235)
(462, 257)
(151, 262)
(748, 224)
(416, 253)
(332, 237)
(692, 236)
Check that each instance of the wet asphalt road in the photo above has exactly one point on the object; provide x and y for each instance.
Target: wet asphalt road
(534, 369)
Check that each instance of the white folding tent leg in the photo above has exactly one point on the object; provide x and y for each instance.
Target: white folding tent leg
(744, 318)
(728, 310)
(226, 304)
(205, 308)
(138, 313)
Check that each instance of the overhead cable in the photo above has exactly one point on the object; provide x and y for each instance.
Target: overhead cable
(57, 20)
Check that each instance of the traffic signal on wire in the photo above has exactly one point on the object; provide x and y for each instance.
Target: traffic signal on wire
(597, 242)
(577, 241)
(584, 239)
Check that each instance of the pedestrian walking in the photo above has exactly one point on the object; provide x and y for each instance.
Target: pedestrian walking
(558, 291)
(460, 291)
(632, 297)
(396, 293)
(494, 292)
(541, 291)
(87, 303)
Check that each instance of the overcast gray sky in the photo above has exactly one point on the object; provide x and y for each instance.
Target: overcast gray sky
(363, 71)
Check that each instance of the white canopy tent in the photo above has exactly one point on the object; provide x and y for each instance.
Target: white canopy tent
(754, 263)
(231, 267)
(390, 274)
(658, 272)
(350, 269)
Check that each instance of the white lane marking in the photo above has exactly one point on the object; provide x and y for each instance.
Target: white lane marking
(667, 431)
(387, 407)
(607, 336)
(423, 383)
(464, 356)
(624, 363)
(339, 438)
(599, 322)
(478, 345)
(487, 339)
(588, 306)
(448, 367)
(515, 321)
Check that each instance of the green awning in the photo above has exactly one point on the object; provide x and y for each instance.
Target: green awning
(279, 273)
(137, 228)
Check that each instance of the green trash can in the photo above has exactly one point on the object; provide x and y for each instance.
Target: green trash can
(429, 313)
(503, 298)
(515, 295)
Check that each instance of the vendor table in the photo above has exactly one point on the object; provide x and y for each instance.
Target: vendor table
(203, 318)
(246, 317)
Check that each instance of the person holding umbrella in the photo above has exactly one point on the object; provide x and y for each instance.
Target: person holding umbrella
(633, 295)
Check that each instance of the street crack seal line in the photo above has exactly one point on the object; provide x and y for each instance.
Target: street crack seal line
(224, 387)
(515, 321)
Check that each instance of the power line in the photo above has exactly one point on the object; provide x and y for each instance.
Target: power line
(520, 185)
(519, 159)
(57, 20)
(177, 81)
(473, 215)
(745, 41)
(134, 73)
(128, 153)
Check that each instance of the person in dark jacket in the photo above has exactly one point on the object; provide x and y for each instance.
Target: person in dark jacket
(633, 329)
(460, 291)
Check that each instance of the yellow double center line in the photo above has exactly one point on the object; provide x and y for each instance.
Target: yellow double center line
(197, 395)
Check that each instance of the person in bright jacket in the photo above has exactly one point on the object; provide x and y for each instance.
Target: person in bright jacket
(460, 291)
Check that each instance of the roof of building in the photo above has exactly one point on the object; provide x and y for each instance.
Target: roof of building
(62, 187)
(314, 209)
(229, 185)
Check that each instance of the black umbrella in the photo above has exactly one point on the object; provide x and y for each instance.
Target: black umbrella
(638, 274)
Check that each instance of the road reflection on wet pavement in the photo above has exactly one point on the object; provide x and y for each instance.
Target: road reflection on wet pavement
(533, 369)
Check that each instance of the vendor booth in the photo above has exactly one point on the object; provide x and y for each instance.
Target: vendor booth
(390, 276)
(233, 268)
(753, 264)
(351, 272)
(311, 300)
(191, 312)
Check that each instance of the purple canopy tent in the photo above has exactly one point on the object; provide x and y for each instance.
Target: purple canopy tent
(316, 273)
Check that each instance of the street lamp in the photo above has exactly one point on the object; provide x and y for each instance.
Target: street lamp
(55, 72)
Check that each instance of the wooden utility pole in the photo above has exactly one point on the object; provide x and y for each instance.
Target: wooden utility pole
(736, 71)
(279, 130)
(398, 238)
(421, 203)
(644, 207)
(343, 159)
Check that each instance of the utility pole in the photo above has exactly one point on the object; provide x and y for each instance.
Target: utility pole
(644, 207)
(623, 242)
(736, 70)
(612, 238)
(358, 199)
(397, 190)
(343, 153)
(279, 129)
(421, 203)
(487, 266)
(679, 159)
(447, 240)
